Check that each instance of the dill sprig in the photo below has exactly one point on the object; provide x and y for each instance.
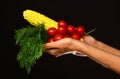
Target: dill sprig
(30, 40)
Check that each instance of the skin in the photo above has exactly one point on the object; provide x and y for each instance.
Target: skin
(98, 51)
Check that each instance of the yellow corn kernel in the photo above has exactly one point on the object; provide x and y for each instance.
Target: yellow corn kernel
(35, 18)
(81, 39)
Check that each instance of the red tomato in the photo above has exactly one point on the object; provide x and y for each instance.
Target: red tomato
(61, 30)
(70, 29)
(58, 37)
(51, 40)
(76, 36)
(66, 36)
(80, 30)
(62, 23)
(52, 31)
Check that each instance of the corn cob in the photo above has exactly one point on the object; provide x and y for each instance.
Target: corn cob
(36, 18)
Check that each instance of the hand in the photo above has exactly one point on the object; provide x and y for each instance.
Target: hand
(59, 47)
(62, 46)
(90, 40)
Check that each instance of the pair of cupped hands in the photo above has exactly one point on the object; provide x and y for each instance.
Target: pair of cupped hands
(68, 45)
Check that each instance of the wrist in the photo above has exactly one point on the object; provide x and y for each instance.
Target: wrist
(98, 44)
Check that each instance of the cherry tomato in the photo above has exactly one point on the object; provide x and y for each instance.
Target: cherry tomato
(62, 23)
(51, 39)
(70, 29)
(61, 30)
(66, 36)
(76, 36)
(58, 37)
(80, 30)
(52, 31)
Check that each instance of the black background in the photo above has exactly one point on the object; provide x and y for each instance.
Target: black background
(102, 14)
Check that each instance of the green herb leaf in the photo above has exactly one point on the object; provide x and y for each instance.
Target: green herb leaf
(30, 39)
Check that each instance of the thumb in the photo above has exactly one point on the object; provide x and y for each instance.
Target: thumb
(89, 39)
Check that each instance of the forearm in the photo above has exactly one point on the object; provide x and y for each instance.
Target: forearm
(100, 45)
(108, 59)
(107, 48)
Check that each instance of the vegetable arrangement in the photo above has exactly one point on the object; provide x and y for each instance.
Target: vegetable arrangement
(65, 31)
(31, 39)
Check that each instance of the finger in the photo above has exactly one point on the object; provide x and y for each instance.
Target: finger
(53, 52)
(51, 45)
(88, 37)
(56, 52)
(58, 43)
